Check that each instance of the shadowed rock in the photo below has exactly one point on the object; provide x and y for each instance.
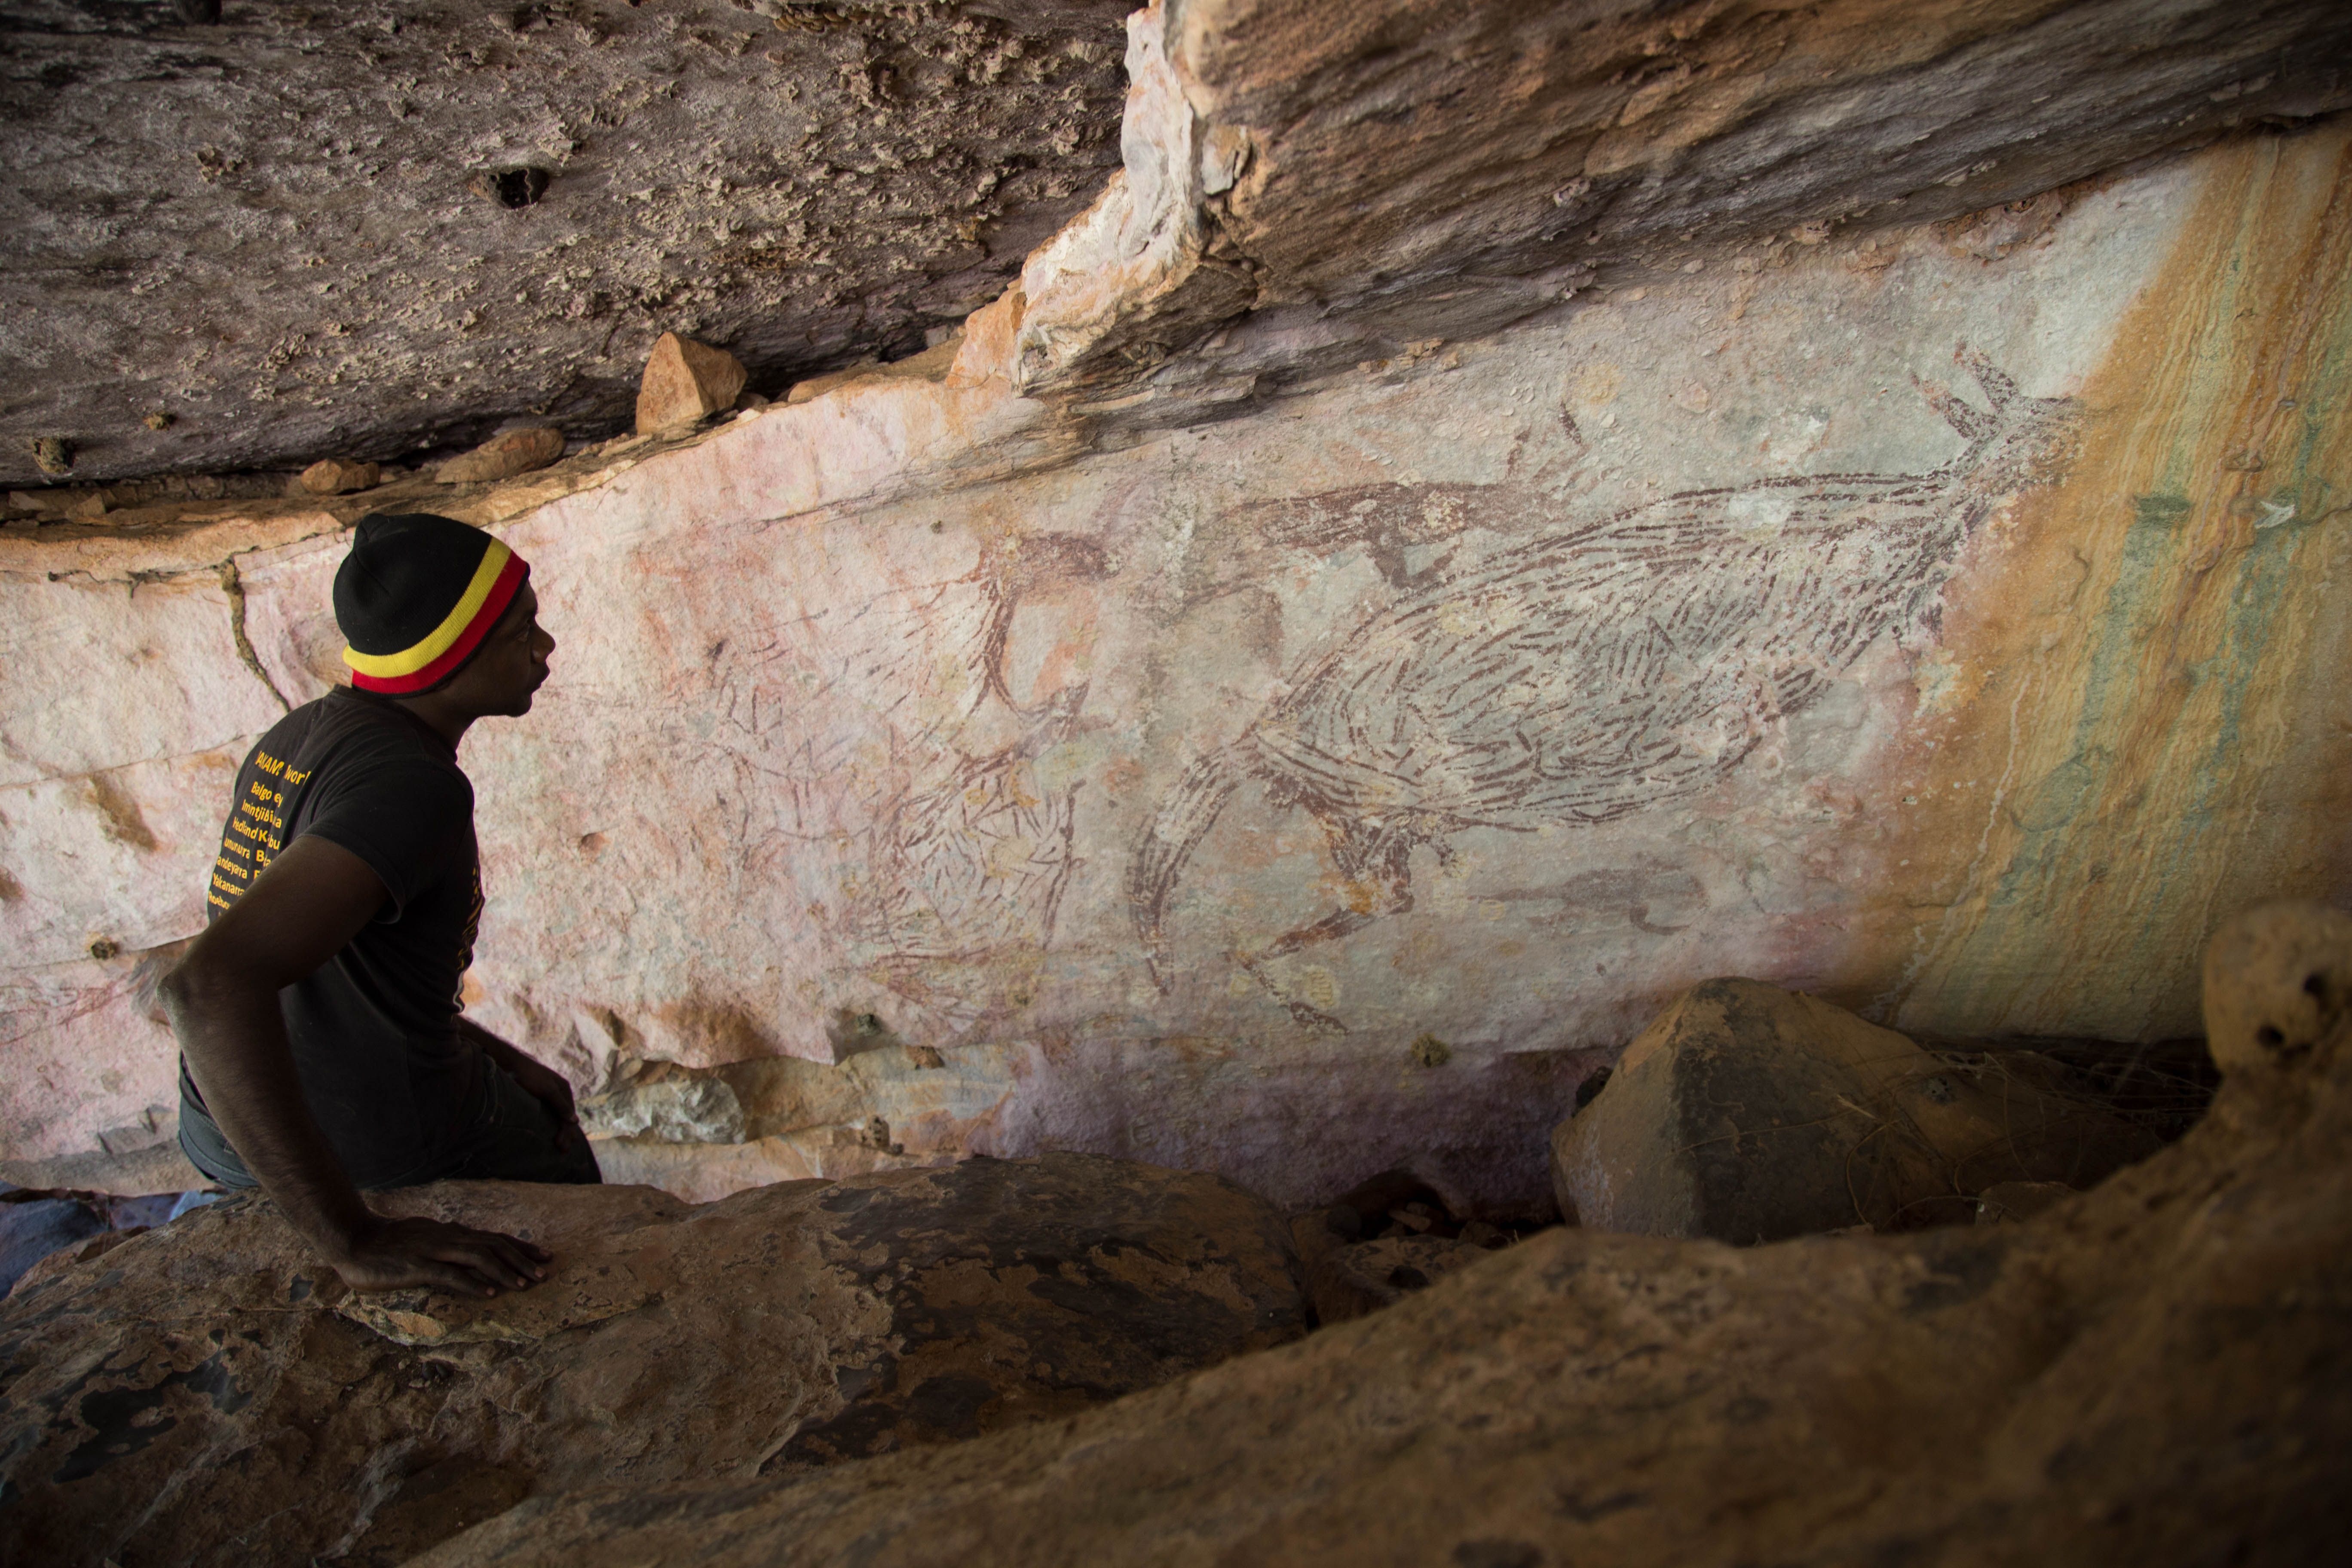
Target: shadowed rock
(216, 1370)
(2154, 1372)
(1748, 1113)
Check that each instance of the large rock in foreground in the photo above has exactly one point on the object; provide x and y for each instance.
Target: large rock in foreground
(2155, 1373)
(1748, 1113)
(215, 1373)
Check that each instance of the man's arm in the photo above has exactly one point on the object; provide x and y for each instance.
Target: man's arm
(223, 999)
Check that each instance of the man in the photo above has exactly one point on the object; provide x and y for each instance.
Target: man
(321, 1047)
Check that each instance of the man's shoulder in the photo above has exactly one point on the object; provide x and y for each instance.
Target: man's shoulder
(348, 725)
(343, 743)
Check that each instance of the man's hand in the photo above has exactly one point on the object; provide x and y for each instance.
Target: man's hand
(393, 1253)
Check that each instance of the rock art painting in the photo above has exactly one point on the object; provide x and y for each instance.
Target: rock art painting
(1595, 671)
(940, 873)
(969, 861)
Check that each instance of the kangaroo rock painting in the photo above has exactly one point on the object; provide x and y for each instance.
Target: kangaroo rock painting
(1595, 671)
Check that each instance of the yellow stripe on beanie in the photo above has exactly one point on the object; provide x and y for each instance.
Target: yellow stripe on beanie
(409, 661)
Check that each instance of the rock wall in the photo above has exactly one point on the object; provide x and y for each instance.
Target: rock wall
(2152, 1372)
(1947, 618)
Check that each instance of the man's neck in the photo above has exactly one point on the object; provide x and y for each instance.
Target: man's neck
(437, 712)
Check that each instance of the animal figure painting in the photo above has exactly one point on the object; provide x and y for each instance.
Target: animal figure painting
(967, 866)
(937, 852)
(1595, 671)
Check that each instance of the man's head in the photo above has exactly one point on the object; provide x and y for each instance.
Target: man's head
(434, 609)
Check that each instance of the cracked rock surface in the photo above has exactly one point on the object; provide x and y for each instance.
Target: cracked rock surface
(216, 1370)
(289, 232)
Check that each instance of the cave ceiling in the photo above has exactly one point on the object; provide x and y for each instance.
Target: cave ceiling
(383, 229)
(378, 228)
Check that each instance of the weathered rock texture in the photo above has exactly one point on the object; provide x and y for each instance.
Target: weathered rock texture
(273, 230)
(2155, 1373)
(1424, 170)
(1745, 1113)
(1943, 619)
(208, 1393)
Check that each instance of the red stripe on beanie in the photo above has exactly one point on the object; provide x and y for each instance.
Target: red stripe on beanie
(503, 593)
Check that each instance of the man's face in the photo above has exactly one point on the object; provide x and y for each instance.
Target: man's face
(512, 664)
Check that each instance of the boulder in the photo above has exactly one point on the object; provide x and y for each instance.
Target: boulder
(337, 475)
(214, 1370)
(2154, 1373)
(685, 383)
(503, 456)
(1748, 1113)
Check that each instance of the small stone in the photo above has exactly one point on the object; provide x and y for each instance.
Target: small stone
(338, 476)
(503, 456)
(53, 455)
(92, 505)
(686, 382)
(159, 420)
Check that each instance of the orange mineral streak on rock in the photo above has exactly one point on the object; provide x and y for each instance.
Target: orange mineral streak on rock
(2146, 724)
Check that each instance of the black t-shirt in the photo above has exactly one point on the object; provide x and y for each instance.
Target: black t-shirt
(374, 1029)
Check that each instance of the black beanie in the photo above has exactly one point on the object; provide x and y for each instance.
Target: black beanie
(415, 597)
